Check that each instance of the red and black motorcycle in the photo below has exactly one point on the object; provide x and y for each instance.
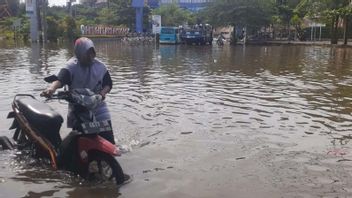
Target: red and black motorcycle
(83, 151)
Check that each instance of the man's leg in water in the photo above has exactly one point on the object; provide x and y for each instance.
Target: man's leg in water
(108, 135)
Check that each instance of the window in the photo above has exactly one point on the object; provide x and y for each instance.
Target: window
(167, 31)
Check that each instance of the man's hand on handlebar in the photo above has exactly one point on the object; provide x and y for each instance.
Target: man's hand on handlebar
(104, 91)
(48, 92)
(51, 89)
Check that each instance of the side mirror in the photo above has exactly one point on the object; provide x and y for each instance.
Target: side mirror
(51, 78)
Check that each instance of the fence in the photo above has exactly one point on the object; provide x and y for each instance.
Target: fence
(100, 30)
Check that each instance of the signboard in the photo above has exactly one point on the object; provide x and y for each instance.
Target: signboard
(103, 30)
(138, 3)
(30, 6)
(156, 24)
(313, 24)
(153, 3)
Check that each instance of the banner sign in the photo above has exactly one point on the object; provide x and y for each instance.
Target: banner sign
(313, 24)
(102, 30)
(138, 3)
(156, 24)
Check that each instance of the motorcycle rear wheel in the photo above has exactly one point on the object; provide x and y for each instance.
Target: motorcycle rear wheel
(21, 139)
(102, 168)
(5, 143)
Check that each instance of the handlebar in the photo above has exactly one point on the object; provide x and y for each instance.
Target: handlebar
(60, 95)
(83, 97)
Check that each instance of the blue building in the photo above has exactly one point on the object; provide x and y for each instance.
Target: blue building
(193, 5)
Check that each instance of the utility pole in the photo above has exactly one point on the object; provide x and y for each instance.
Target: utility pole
(32, 13)
(36, 10)
(138, 5)
(44, 4)
(69, 6)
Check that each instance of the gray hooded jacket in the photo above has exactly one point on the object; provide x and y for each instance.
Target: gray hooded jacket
(90, 77)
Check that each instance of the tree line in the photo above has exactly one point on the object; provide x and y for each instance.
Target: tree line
(282, 14)
(283, 17)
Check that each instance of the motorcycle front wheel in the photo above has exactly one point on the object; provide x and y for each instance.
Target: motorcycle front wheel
(102, 168)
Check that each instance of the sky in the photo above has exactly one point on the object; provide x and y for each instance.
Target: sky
(54, 2)
(57, 2)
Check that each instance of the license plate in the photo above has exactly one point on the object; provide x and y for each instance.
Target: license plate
(96, 127)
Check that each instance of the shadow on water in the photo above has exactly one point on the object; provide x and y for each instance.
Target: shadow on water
(48, 193)
(24, 169)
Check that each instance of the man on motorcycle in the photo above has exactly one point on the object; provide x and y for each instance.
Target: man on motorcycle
(85, 71)
(221, 40)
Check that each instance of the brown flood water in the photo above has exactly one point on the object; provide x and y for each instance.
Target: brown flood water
(201, 121)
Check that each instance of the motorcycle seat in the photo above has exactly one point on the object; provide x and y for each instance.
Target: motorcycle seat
(42, 117)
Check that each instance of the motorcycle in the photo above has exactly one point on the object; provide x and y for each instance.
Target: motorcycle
(220, 41)
(5, 143)
(83, 151)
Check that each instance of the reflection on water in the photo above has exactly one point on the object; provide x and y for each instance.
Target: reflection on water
(160, 92)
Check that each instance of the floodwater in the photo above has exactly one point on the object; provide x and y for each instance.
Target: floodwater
(201, 121)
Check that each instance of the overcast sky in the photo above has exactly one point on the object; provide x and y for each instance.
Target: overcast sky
(57, 2)
(54, 2)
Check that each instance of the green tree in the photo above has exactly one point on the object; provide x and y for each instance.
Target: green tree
(285, 11)
(24, 31)
(57, 12)
(54, 30)
(121, 13)
(69, 28)
(90, 3)
(107, 16)
(173, 15)
(252, 14)
(116, 12)
(329, 11)
(239, 12)
(86, 13)
(58, 22)
(297, 21)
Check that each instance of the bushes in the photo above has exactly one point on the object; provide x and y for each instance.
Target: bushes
(69, 28)
(65, 28)
(53, 31)
(7, 31)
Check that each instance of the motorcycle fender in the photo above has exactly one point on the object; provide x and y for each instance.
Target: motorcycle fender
(11, 115)
(14, 124)
(97, 143)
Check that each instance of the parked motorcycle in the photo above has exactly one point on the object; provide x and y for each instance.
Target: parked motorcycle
(220, 41)
(82, 151)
